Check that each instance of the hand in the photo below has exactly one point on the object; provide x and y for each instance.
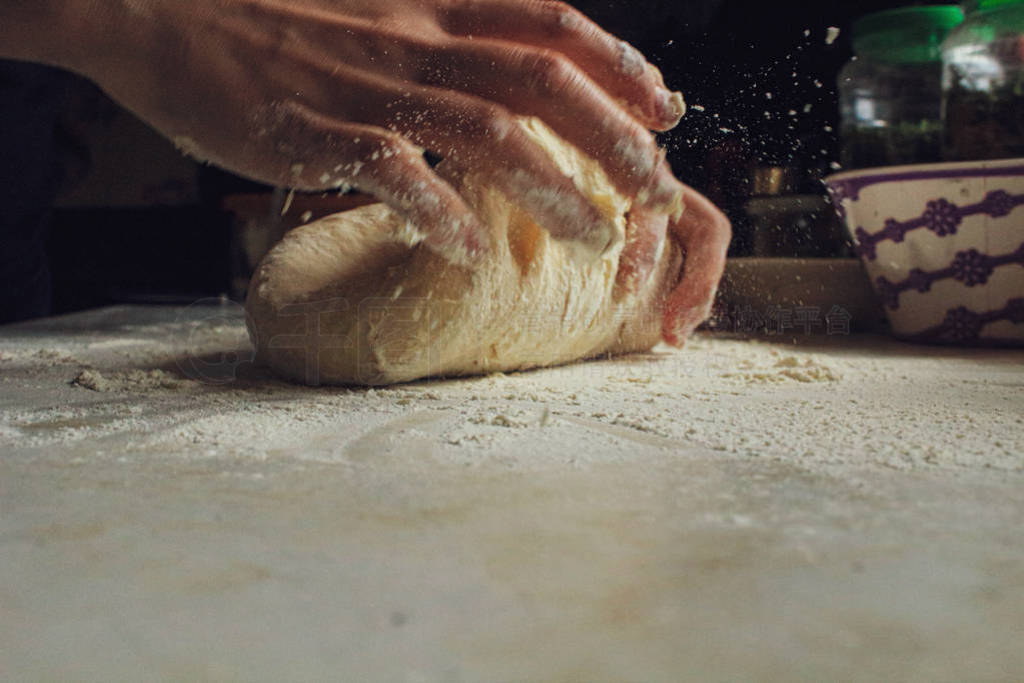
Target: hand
(703, 232)
(322, 94)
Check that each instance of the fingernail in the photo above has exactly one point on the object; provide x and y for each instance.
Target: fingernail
(670, 336)
(475, 241)
(670, 106)
(689, 320)
(677, 332)
(478, 245)
(611, 232)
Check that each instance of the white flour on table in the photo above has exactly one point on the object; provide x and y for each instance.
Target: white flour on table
(863, 402)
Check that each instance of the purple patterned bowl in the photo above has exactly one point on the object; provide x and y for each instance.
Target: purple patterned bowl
(943, 245)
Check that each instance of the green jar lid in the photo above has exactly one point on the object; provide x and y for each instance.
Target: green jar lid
(992, 4)
(907, 35)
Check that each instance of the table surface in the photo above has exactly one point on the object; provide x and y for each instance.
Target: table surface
(809, 508)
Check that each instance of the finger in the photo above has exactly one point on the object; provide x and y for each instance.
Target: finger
(484, 139)
(645, 239)
(615, 65)
(524, 80)
(314, 152)
(704, 232)
(545, 84)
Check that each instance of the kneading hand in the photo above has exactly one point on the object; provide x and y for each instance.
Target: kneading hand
(703, 233)
(320, 94)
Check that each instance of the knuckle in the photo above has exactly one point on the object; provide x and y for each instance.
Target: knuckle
(380, 153)
(559, 19)
(493, 124)
(549, 73)
(473, 129)
(635, 153)
(362, 159)
(392, 169)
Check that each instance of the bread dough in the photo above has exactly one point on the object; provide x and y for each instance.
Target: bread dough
(353, 298)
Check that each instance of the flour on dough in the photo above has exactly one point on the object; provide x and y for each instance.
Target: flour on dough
(353, 299)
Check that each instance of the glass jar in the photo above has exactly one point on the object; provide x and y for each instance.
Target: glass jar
(890, 93)
(983, 83)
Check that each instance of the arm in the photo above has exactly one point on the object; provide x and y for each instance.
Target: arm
(320, 94)
(42, 30)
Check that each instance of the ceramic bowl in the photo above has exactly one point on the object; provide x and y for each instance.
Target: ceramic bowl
(943, 245)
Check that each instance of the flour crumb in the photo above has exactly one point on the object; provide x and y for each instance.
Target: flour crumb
(131, 380)
(640, 424)
(786, 368)
(505, 421)
(189, 148)
(50, 357)
(290, 197)
(94, 380)
(808, 370)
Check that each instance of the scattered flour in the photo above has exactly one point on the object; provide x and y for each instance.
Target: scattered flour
(121, 343)
(37, 357)
(788, 368)
(131, 380)
(741, 398)
(499, 420)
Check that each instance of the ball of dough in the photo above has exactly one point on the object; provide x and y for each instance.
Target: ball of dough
(354, 299)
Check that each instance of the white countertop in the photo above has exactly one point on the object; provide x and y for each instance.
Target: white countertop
(848, 507)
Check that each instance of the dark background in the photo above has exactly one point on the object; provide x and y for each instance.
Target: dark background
(759, 79)
(762, 77)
